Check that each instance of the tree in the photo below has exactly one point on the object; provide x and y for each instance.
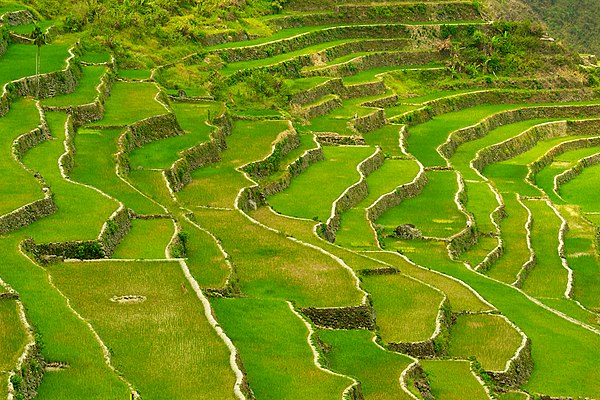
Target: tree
(39, 39)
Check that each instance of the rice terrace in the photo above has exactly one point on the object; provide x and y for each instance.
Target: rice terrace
(300, 199)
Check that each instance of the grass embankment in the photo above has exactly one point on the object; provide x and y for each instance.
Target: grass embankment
(481, 202)
(95, 166)
(206, 263)
(217, 185)
(489, 338)
(583, 189)
(353, 353)
(146, 239)
(81, 210)
(154, 343)
(355, 230)
(548, 278)
(477, 253)
(406, 309)
(192, 118)
(17, 187)
(453, 380)
(84, 93)
(13, 337)
(130, 102)
(281, 367)
(307, 142)
(312, 193)
(434, 211)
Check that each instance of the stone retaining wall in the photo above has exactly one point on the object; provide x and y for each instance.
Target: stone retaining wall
(562, 148)
(313, 94)
(375, 60)
(575, 171)
(27, 379)
(420, 381)
(145, 131)
(27, 214)
(370, 122)
(384, 102)
(334, 139)
(363, 90)
(394, 198)
(482, 128)
(353, 195)
(518, 144)
(286, 141)
(19, 17)
(351, 13)
(294, 169)
(112, 232)
(200, 155)
(354, 317)
(321, 108)
(518, 371)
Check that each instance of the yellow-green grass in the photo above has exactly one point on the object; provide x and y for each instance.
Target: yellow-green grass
(583, 189)
(206, 263)
(582, 257)
(481, 202)
(399, 109)
(488, 338)
(153, 185)
(146, 239)
(281, 367)
(95, 166)
(277, 267)
(406, 309)
(218, 184)
(81, 210)
(312, 193)
(513, 396)
(162, 153)
(353, 353)
(548, 278)
(135, 73)
(12, 335)
(555, 341)
(544, 179)
(453, 380)
(164, 345)
(95, 57)
(477, 253)
(468, 151)
(355, 230)
(514, 240)
(307, 142)
(461, 297)
(17, 187)
(19, 60)
(84, 93)
(425, 138)
(386, 137)
(434, 211)
(10, 6)
(65, 338)
(339, 120)
(573, 310)
(130, 102)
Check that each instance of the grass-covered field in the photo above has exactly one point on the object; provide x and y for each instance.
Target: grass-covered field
(153, 342)
(489, 338)
(434, 211)
(203, 298)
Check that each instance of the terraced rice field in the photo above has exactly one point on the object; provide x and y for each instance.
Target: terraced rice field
(369, 239)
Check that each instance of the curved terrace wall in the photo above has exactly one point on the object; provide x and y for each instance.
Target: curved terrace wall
(200, 155)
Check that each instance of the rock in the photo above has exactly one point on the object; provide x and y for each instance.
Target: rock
(408, 231)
